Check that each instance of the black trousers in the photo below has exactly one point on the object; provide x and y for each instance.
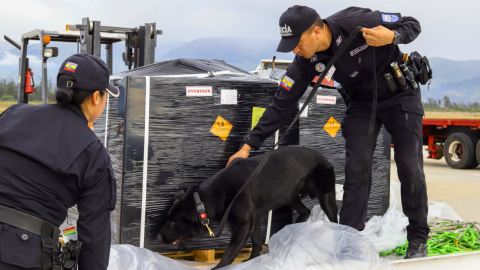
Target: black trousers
(19, 249)
(403, 121)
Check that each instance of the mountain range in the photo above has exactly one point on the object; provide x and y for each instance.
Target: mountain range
(459, 80)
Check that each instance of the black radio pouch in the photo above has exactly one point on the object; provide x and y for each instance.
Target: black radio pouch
(423, 66)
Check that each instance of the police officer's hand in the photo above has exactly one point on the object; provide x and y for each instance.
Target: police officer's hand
(242, 153)
(378, 36)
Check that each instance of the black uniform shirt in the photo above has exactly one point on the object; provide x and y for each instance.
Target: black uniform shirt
(353, 69)
(51, 160)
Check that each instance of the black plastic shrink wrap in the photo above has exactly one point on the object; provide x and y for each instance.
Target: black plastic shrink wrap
(313, 134)
(182, 152)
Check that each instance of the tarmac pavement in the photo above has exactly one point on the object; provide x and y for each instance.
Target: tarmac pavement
(459, 188)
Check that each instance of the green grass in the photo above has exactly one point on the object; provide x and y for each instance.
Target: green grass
(5, 104)
(452, 115)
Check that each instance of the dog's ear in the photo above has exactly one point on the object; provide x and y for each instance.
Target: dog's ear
(179, 194)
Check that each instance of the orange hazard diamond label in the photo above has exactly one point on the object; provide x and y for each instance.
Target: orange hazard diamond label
(332, 126)
(221, 128)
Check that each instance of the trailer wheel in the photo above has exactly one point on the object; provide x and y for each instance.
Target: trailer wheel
(459, 151)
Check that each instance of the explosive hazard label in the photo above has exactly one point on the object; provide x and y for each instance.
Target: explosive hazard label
(221, 128)
(332, 126)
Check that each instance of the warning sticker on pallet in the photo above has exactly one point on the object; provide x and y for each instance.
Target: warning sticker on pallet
(332, 126)
(199, 91)
(221, 128)
(257, 113)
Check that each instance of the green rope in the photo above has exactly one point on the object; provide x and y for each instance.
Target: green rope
(448, 237)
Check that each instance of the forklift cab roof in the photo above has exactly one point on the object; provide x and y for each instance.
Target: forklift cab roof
(70, 36)
(140, 43)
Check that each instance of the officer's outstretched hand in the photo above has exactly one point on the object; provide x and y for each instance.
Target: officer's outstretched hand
(378, 36)
(242, 153)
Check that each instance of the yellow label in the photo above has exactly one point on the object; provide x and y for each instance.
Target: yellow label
(257, 113)
(332, 126)
(221, 128)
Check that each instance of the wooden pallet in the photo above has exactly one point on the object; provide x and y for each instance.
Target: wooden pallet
(208, 256)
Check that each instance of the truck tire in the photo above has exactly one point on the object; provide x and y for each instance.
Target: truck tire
(478, 151)
(459, 151)
(475, 162)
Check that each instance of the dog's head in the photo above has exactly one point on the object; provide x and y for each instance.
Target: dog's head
(183, 221)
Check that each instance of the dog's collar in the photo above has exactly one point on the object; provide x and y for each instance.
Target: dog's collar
(201, 212)
(200, 208)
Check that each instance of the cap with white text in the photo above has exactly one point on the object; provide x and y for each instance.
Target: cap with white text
(293, 23)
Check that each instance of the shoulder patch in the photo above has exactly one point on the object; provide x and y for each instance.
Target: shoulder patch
(339, 40)
(287, 82)
(320, 67)
(389, 17)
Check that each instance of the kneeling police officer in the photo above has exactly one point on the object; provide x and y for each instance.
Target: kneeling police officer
(315, 41)
(50, 160)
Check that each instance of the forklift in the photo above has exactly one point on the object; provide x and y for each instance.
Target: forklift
(140, 43)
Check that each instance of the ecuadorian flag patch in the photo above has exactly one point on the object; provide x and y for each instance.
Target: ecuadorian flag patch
(287, 83)
(70, 67)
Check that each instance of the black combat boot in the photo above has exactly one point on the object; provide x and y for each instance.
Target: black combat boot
(416, 249)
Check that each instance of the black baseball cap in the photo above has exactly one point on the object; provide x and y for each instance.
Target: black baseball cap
(90, 72)
(293, 23)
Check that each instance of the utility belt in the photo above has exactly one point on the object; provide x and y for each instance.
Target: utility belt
(54, 257)
(406, 76)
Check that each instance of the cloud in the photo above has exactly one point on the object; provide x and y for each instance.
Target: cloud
(456, 93)
(188, 20)
(34, 60)
(9, 59)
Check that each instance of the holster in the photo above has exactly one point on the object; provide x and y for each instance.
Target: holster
(70, 254)
(47, 231)
(425, 72)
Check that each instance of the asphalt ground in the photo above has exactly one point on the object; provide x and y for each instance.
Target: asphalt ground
(459, 188)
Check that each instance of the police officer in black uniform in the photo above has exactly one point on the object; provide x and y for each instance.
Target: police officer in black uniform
(315, 41)
(50, 160)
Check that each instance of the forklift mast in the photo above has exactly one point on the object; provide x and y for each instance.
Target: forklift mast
(140, 46)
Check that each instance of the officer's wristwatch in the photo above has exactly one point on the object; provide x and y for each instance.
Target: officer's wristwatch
(396, 39)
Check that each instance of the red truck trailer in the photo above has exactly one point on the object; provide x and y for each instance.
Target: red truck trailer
(455, 139)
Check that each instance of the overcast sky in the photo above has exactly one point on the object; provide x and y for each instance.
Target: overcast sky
(450, 29)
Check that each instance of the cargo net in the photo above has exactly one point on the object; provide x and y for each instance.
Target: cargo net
(448, 237)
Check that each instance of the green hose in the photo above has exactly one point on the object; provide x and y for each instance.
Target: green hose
(448, 237)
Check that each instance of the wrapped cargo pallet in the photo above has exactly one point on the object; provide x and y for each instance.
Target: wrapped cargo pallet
(320, 128)
(175, 124)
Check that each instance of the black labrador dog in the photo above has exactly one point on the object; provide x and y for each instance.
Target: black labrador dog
(290, 174)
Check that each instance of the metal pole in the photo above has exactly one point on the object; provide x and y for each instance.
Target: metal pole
(22, 97)
(86, 37)
(109, 48)
(44, 70)
(44, 81)
(96, 45)
(12, 42)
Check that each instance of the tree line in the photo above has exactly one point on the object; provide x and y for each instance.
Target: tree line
(9, 91)
(447, 105)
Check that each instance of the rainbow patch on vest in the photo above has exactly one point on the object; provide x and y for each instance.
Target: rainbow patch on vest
(287, 83)
(70, 67)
